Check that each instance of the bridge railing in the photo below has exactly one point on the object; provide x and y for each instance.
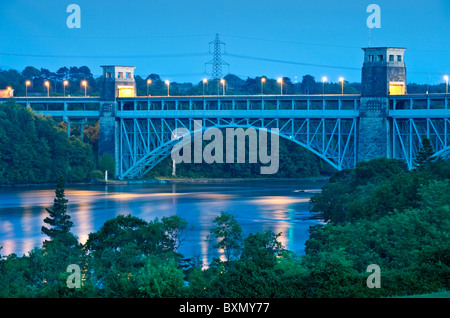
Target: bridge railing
(240, 102)
(419, 102)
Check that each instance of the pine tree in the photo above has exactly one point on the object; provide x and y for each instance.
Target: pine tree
(59, 221)
(424, 154)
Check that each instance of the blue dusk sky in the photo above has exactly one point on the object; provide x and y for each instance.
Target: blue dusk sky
(171, 38)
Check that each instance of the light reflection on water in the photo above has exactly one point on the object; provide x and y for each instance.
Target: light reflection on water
(258, 207)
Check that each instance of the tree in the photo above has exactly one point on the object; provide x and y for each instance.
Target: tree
(262, 249)
(106, 163)
(308, 85)
(59, 220)
(226, 235)
(31, 73)
(160, 278)
(424, 154)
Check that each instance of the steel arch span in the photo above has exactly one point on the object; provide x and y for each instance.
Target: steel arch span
(145, 142)
(408, 133)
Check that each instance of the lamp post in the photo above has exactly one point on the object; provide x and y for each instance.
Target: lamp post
(205, 81)
(84, 83)
(341, 79)
(9, 89)
(324, 79)
(47, 84)
(65, 83)
(149, 82)
(263, 80)
(280, 80)
(168, 85)
(222, 81)
(27, 83)
(446, 83)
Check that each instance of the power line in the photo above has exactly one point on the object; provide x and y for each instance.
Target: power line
(291, 42)
(104, 36)
(293, 62)
(176, 55)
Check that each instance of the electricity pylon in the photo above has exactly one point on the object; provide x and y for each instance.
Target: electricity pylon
(217, 61)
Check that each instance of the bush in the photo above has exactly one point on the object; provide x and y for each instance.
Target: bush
(107, 163)
(97, 175)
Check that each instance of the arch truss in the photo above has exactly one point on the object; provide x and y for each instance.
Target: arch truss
(144, 142)
(408, 133)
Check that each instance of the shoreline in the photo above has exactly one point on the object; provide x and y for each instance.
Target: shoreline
(176, 180)
(244, 180)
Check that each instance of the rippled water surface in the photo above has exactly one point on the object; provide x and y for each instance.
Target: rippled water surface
(280, 207)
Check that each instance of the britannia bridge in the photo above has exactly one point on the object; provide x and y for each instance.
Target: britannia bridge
(383, 121)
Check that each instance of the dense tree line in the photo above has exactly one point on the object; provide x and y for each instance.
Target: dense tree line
(34, 149)
(401, 224)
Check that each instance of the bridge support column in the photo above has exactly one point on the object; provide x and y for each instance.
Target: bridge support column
(374, 133)
(108, 132)
(75, 121)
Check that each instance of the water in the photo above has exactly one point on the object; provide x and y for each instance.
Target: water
(280, 207)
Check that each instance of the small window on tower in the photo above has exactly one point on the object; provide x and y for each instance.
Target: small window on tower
(370, 58)
(391, 58)
(399, 58)
(120, 75)
(380, 58)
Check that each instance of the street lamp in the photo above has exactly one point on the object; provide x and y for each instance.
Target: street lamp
(280, 80)
(27, 83)
(341, 79)
(446, 86)
(222, 81)
(9, 89)
(149, 82)
(84, 83)
(263, 80)
(205, 81)
(324, 79)
(168, 84)
(65, 83)
(47, 84)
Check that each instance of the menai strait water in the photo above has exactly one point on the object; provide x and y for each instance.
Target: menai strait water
(258, 206)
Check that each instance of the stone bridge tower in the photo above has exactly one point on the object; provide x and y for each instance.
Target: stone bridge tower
(118, 81)
(383, 75)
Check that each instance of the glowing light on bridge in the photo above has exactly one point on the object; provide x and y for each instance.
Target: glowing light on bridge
(27, 83)
(222, 81)
(47, 84)
(84, 83)
(446, 83)
(149, 82)
(263, 80)
(324, 80)
(205, 81)
(280, 80)
(168, 85)
(65, 83)
(341, 79)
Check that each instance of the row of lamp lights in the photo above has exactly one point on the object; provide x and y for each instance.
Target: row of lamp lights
(222, 82)
(149, 82)
(65, 84)
(205, 81)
